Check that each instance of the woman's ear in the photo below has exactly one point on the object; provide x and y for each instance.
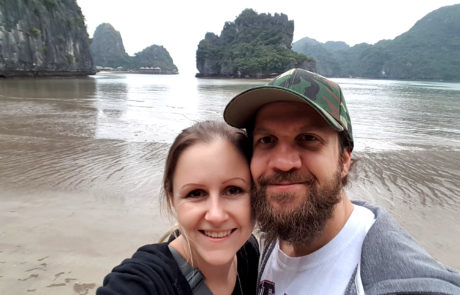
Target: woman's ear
(170, 200)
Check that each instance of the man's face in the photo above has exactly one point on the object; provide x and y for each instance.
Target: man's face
(297, 170)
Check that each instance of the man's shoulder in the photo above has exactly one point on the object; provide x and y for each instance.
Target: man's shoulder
(387, 242)
(392, 260)
(387, 239)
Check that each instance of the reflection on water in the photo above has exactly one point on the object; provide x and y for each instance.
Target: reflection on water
(47, 108)
(76, 133)
(396, 115)
(156, 108)
(103, 133)
(109, 133)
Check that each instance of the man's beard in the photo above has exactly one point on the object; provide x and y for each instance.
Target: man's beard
(301, 225)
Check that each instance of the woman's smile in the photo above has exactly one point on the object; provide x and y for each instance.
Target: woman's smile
(217, 234)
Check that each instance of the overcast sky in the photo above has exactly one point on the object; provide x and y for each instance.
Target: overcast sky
(180, 25)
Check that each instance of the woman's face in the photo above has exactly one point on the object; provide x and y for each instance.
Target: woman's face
(211, 197)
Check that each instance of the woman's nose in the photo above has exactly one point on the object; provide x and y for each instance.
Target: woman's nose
(216, 211)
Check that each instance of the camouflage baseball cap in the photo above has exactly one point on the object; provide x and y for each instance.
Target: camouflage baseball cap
(296, 85)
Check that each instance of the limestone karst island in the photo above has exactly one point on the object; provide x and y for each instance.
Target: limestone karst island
(42, 38)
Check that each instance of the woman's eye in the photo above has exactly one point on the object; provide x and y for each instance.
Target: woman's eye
(198, 193)
(233, 190)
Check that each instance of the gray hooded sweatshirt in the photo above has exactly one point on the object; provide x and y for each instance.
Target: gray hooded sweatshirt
(393, 263)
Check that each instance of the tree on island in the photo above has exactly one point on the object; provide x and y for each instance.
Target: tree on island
(254, 45)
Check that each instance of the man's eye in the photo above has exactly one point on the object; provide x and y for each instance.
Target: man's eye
(306, 138)
(266, 140)
(198, 193)
(233, 190)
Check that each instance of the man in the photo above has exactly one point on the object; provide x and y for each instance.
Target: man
(315, 240)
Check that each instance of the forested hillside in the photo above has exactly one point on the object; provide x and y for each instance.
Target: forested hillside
(430, 50)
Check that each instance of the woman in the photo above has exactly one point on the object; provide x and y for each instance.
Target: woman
(207, 186)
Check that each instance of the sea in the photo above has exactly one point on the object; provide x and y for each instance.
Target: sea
(109, 134)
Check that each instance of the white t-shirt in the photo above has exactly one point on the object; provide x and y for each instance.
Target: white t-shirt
(325, 271)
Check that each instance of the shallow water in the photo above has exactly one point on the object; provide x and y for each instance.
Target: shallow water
(108, 134)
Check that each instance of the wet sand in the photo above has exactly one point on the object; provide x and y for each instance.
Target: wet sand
(65, 243)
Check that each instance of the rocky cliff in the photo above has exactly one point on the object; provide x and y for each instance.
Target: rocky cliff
(107, 47)
(254, 45)
(43, 38)
(155, 58)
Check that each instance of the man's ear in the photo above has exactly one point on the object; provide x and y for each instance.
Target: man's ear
(346, 162)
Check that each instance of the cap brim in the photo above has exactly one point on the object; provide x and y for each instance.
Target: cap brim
(242, 108)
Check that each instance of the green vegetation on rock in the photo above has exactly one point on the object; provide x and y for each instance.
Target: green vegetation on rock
(254, 45)
(37, 40)
(107, 47)
(34, 32)
(154, 56)
(430, 50)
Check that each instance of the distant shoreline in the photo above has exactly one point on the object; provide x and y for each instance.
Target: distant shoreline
(70, 75)
(44, 74)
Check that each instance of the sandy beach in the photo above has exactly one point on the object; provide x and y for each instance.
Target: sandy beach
(65, 243)
(59, 244)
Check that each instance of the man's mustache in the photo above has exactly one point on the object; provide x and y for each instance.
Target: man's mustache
(290, 176)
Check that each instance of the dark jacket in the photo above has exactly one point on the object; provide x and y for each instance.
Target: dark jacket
(153, 270)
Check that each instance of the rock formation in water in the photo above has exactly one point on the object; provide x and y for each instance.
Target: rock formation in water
(156, 59)
(254, 45)
(109, 53)
(43, 38)
(107, 47)
(430, 50)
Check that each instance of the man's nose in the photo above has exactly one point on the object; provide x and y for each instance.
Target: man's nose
(216, 212)
(285, 158)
